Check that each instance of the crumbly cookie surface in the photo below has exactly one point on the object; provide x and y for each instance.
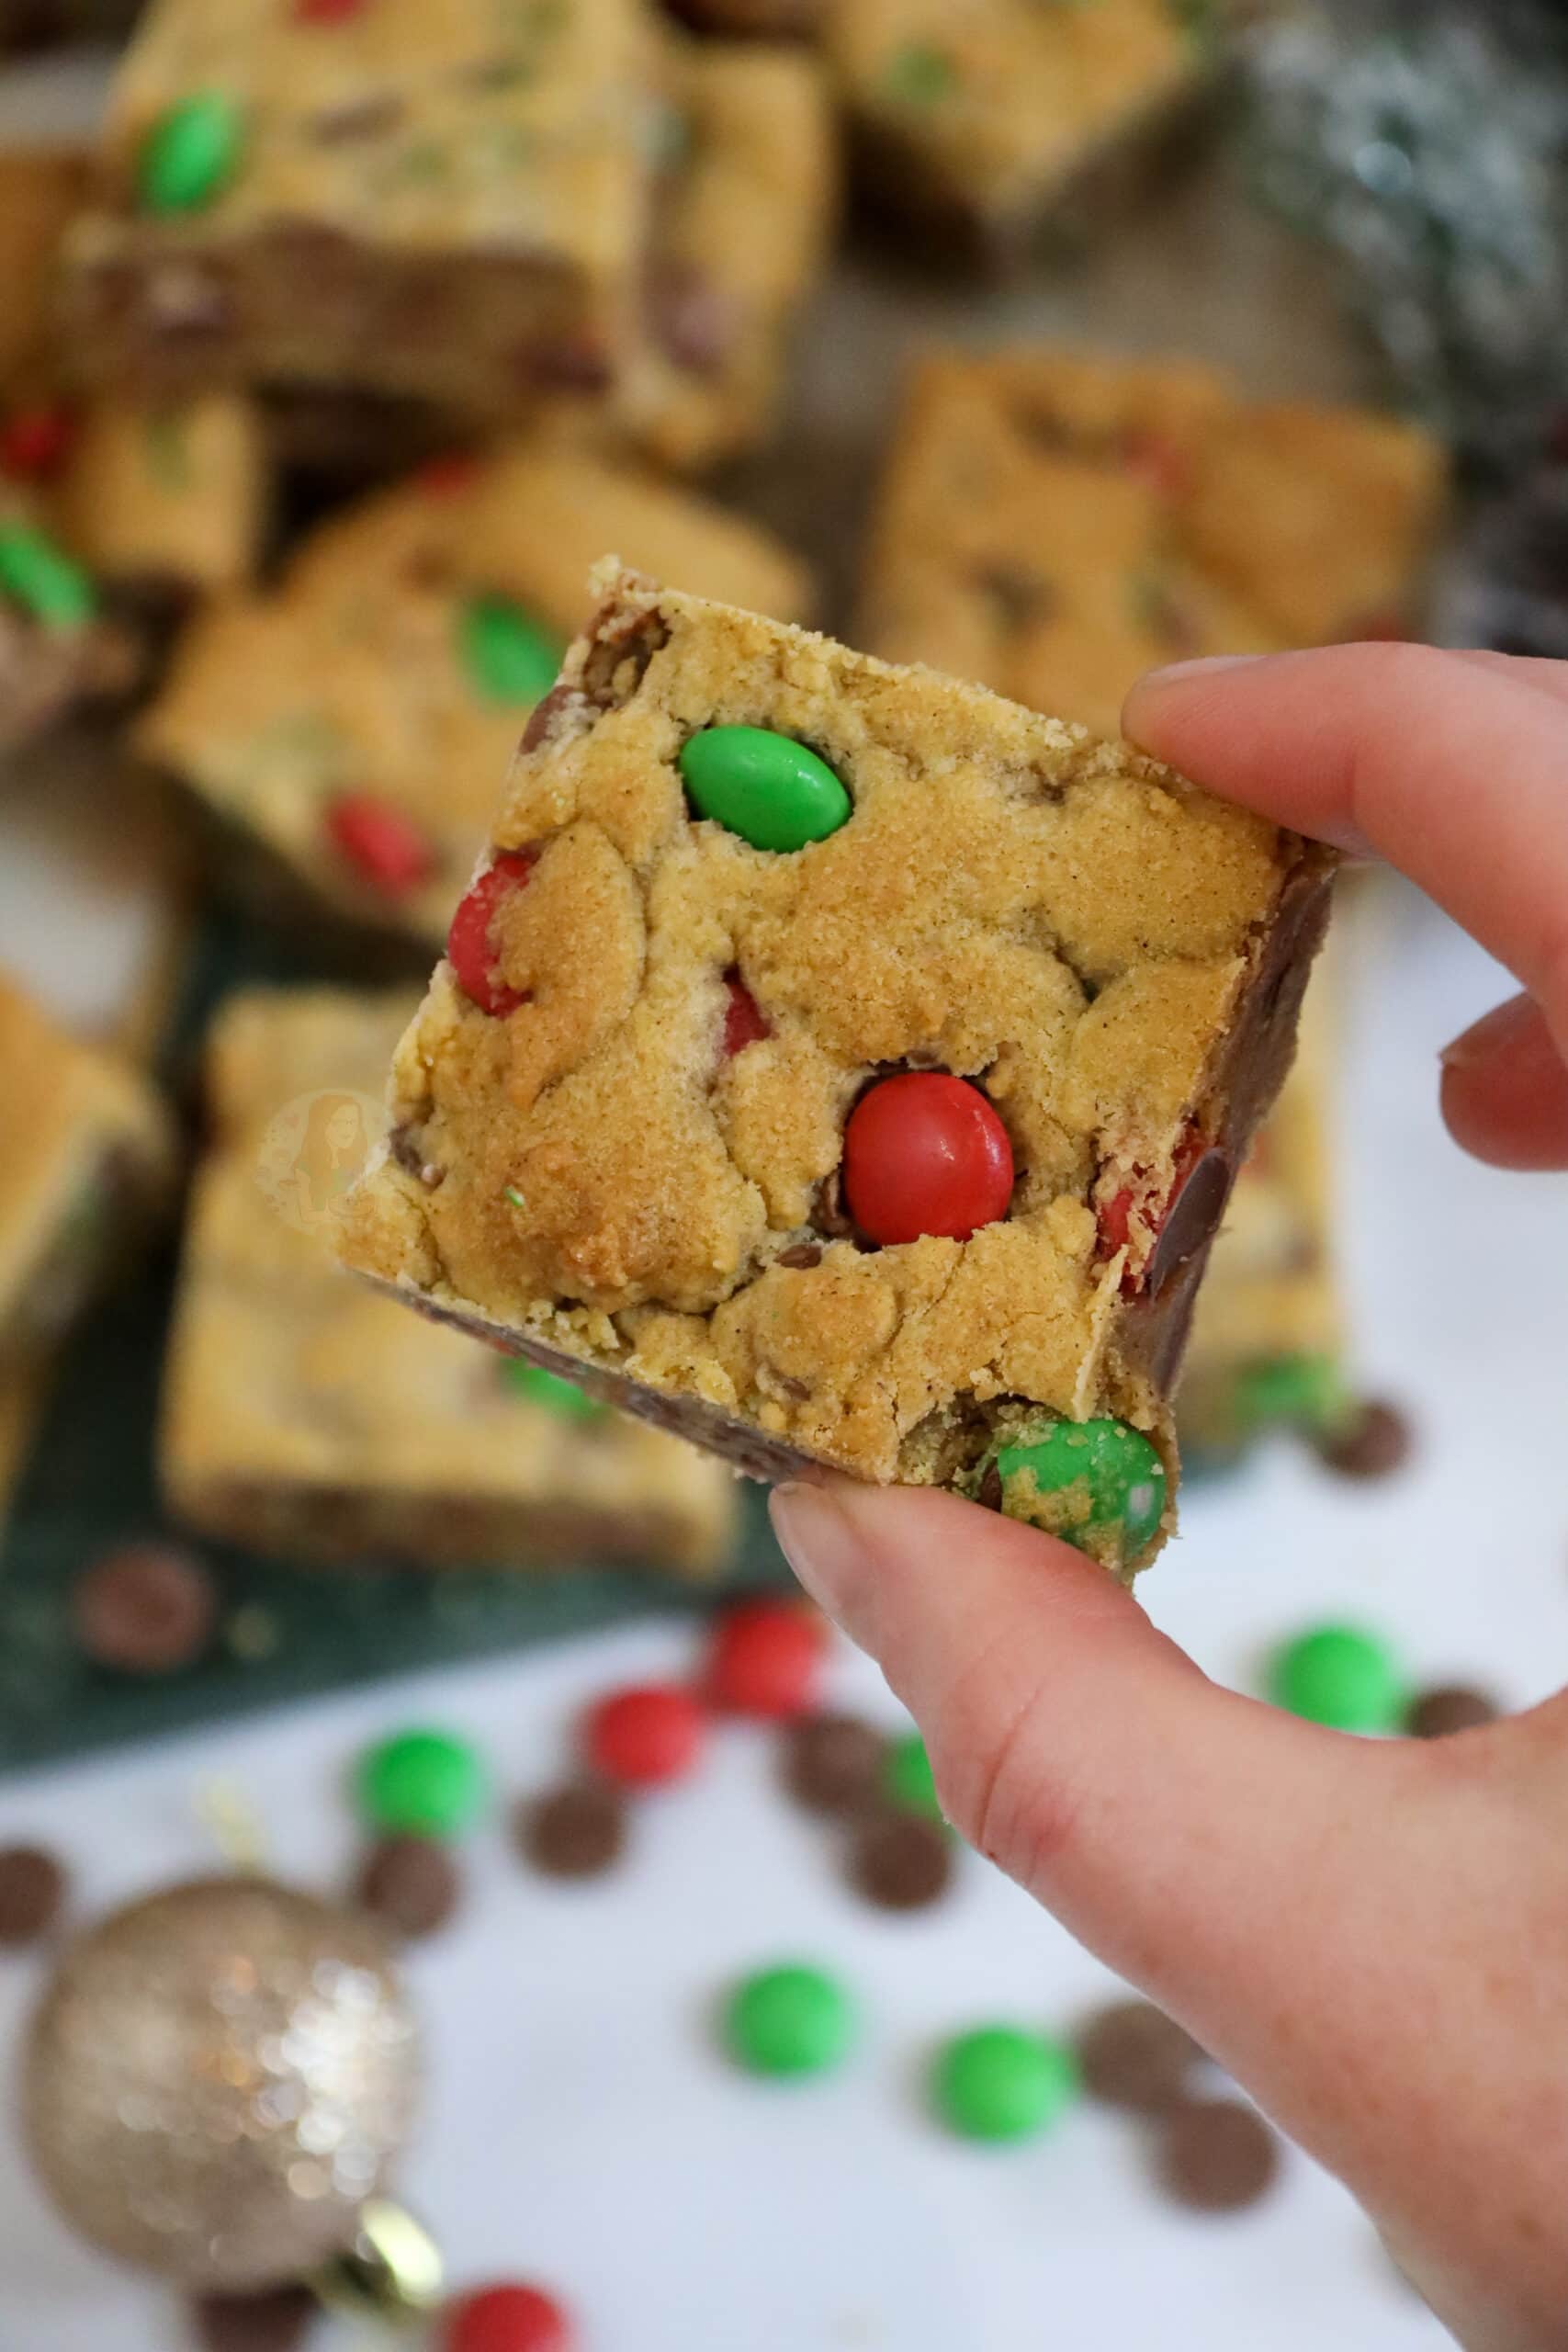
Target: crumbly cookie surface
(173, 494)
(303, 1410)
(1071, 927)
(88, 1154)
(740, 239)
(1054, 522)
(996, 103)
(350, 681)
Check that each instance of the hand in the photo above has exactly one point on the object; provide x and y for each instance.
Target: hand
(1371, 1936)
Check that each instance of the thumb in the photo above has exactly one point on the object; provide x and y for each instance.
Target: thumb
(1170, 1824)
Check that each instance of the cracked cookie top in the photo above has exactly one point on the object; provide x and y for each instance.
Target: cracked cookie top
(590, 1145)
(1054, 522)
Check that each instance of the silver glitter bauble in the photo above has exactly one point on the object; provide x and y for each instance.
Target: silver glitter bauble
(217, 2079)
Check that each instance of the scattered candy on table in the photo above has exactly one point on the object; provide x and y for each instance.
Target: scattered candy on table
(411, 1883)
(646, 1736)
(1448, 1707)
(789, 2021)
(906, 1778)
(901, 1861)
(1215, 2155)
(144, 1609)
(576, 1831)
(425, 1784)
(999, 2083)
(32, 1893)
(765, 1658)
(510, 2318)
(1342, 1676)
(1129, 2055)
(835, 1764)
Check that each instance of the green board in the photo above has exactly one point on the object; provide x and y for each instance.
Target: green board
(283, 1632)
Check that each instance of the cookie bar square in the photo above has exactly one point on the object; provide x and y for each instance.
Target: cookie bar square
(1054, 522)
(740, 241)
(305, 1416)
(352, 723)
(169, 501)
(88, 1159)
(446, 201)
(1268, 1349)
(41, 189)
(978, 117)
(844, 1067)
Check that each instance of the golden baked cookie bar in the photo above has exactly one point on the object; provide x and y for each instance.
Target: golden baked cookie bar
(844, 1068)
(981, 115)
(41, 189)
(444, 201)
(1268, 1344)
(741, 240)
(88, 1156)
(172, 499)
(306, 1416)
(354, 722)
(1054, 522)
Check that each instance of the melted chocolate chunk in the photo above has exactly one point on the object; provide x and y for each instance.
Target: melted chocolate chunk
(989, 1494)
(801, 1255)
(604, 675)
(1194, 1218)
(543, 717)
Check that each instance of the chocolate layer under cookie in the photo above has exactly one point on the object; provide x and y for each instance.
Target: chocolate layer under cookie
(663, 1015)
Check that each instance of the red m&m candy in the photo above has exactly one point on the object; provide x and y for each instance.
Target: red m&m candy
(743, 1022)
(766, 1659)
(645, 1735)
(384, 844)
(507, 2319)
(924, 1153)
(326, 12)
(470, 949)
(36, 441)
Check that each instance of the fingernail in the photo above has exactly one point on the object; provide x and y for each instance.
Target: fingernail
(1487, 1037)
(819, 1542)
(1209, 663)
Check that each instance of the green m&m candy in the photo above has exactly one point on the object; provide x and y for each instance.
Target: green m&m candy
(789, 2021)
(190, 154)
(774, 792)
(548, 1389)
(907, 1778)
(999, 2083)
(1097, 1483)
(508, 656)
(42, 578)
(1298, 1392)
(918, 73)
(425, 1783)
(1341, 1676)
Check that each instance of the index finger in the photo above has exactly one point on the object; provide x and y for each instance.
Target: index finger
(1453, 769)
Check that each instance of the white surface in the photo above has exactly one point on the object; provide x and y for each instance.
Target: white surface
(580, 2128)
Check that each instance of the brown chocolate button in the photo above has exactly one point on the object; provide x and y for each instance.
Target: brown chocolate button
(145, 1609)
(32, 1889)
(1130, 2054)
(1448, 1707)
(833, 1764)
(901, 1861)
(1192, 1218)
(276, 2321)
(1215, 2155)
(411, 1882)
(1376, 1443)
(575, 1831)
(989, 1492)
